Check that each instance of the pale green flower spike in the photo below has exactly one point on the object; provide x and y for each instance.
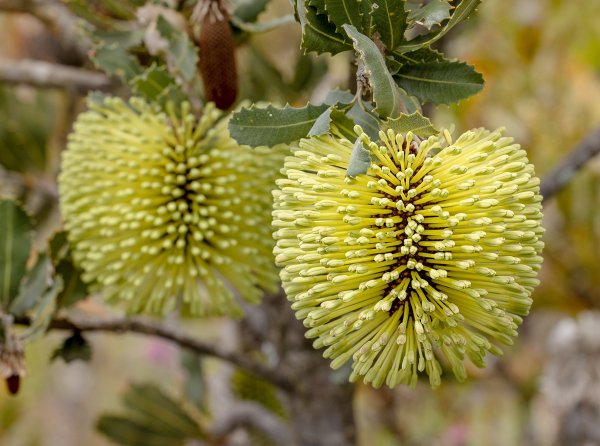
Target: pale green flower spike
(426, 257)
(163, 212)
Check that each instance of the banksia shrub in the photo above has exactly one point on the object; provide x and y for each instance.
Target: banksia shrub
(431, 255)
(165, 211)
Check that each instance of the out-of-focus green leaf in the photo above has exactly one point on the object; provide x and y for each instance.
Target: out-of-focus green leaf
(462, 12)
(128, 432)
(125, 39)
(270, 126)
(430, 14)
(75, 347)
(441, 82)
(42, 313)
(251, 388)
(25, 129)
(360, 160)
(248, 10)
(153, 419)
(385, 91)
(74, 288)
(389, 20)
(194, 387)
(15, 244)
(115, 61)
(36, 281)
(318, 34)
(264, 26)
(415, 123)
(153, 82)
(308, 72)
(182, 55)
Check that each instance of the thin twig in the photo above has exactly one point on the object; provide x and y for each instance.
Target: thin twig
(563, 173)
(137, 325)
(49, 75)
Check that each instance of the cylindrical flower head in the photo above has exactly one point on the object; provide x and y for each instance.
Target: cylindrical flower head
(427, 256)
(166, 212)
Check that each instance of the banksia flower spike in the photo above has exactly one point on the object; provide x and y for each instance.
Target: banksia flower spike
(163, 212)
(431, 255)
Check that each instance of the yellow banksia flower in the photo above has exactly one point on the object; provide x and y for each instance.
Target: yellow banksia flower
(431, 255)
(166, 211)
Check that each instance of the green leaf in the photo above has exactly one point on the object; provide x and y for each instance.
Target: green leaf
(462, 12)
(182, 55)
(75, 347)
(44, 311)
(74, 288)
(340, 12)
(115, 61)
(422, 55)
(334, 119)
(153, 82)
(415, 123)
(153, 419)
(248, 10)
(432, 13)
(195, 386)
(15, 244)
(385, 91)
(440, 82)
(368, 122)
(125, 39)
(129, 432)
(264, 26)
(36, 282)
(318, 34)
(249, 387)
(360, 160)
(271, 126)
(389, 19)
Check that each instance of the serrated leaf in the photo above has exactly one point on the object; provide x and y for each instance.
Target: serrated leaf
(75, 347)
(462, 12)
(389, 20)
(33, 286)
(318, 34)
(432, 13)
(125, 39)
(415, 123)
(333, 118)
(43, 311)
(15, 244)
(422, 55)
(182, 55)
(115, 61)
(360, 160)
(271, 126)
(341, 12)
(385, 91)
(338, 97)
(368, 122)
(440, 82)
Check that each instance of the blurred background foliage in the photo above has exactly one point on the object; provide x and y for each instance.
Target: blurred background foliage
(541, 63)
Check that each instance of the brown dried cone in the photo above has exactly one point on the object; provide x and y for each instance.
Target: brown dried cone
(216, 54)
(12, 360)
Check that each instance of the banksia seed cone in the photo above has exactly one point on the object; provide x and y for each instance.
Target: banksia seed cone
(427, 256)
(216, 61)
(160, 209)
